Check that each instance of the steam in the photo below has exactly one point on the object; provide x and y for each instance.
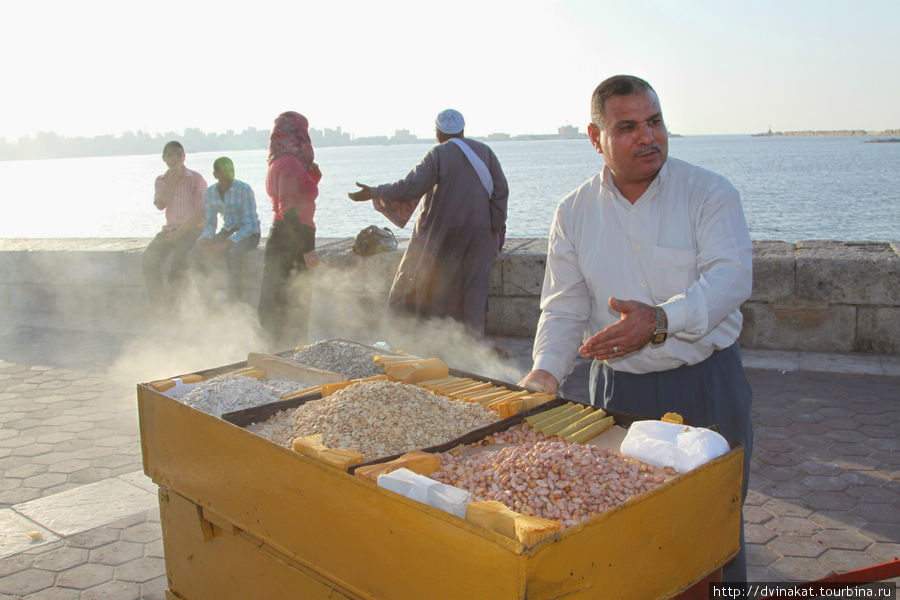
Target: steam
(204, 330)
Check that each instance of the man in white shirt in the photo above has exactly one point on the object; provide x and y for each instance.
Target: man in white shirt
(647, 266)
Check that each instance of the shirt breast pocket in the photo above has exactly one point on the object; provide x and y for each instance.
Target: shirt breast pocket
(673, 272)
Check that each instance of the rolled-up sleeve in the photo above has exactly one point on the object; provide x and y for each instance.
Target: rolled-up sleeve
(249, 218)
(565, 304)
(724, 266)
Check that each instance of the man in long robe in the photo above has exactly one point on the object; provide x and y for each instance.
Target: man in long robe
(446, 268)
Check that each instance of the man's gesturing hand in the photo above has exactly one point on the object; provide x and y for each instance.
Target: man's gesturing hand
(631, 332)
(362, 194)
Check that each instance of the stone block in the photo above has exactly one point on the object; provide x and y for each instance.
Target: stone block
(773, 271)
(797, 327)
(355, 274)
(516, 316)
(848, 273)
(495, 281)
(14, 267)
(527, 246)
(819, 295)
(878, 330)
(5, 293)
(28, 297)
(523, 273)
(22, 267)
(131, 267)
(73, 268)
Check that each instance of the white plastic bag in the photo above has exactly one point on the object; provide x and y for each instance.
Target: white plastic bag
(449, 498)
(427, 491)
(664, 444)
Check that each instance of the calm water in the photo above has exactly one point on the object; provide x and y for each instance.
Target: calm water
(793, 188)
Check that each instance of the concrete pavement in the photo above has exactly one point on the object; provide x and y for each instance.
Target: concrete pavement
(824, 483)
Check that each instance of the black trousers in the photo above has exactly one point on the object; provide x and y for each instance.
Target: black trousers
(712, 392)
(286, 288)
(156, 253)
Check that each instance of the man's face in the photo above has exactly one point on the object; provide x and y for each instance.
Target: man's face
(173, 157)
(634, 141)
(224, 175)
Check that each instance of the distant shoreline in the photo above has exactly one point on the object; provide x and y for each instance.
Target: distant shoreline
(827, 132)
(53, 146)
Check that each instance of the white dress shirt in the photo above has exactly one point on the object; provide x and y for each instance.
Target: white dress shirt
(683, 245)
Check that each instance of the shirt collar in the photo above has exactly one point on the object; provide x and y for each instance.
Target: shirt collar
(229, 191)
(606, 179)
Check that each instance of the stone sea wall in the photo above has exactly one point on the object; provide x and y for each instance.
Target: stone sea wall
(825, 296)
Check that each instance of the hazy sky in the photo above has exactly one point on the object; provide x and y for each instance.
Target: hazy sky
(526, 66)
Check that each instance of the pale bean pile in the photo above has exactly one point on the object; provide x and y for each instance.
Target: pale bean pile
(353, 360)
(548, 478)
(228, 393)
(377, 419)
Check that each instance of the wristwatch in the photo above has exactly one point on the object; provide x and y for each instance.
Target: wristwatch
(661, 332)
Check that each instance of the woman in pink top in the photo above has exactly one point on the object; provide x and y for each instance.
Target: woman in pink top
(292, 184)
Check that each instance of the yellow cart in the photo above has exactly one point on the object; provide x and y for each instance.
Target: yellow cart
(244, 518)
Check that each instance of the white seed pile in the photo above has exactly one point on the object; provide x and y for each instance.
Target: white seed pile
(353, 360)
(378, 418)
(549, 478)
(228, 393)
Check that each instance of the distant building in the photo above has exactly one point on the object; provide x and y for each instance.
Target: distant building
(568, 131)
(403, 136)
(498, 137)
(372, 140)
(334, 137)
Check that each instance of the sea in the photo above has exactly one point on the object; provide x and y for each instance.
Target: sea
(792, 188)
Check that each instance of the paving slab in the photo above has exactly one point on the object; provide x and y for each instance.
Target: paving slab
(15, 530)
(88, 506)
(823, 483)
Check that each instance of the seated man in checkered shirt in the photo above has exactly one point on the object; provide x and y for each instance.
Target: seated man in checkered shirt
(235, 201)
(179, 192)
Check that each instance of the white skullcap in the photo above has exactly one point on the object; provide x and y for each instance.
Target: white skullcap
(450, 121)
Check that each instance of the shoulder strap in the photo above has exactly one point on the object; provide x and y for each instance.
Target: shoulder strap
(480, 168)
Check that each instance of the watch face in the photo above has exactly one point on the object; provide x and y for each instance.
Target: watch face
(658, 338)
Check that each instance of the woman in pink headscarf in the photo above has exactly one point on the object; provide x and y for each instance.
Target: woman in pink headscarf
(292, 184)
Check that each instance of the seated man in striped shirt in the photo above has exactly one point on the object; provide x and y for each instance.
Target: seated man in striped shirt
(235, 201)
(179, 192)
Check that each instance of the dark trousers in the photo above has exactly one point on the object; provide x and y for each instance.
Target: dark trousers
(712, 392)
(155, 255)
(234, 257)
(286, 288)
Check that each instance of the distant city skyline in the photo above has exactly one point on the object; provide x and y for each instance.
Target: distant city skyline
(98, 67)
(53, 145)
(338, 131)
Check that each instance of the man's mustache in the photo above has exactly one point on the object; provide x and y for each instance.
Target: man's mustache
(648, 150)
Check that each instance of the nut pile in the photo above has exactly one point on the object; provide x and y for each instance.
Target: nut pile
(548, 478)
(378, 418)
(228, 393)
(352, 360)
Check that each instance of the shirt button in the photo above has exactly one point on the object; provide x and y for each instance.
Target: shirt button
(637, 246)
(643, 285)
